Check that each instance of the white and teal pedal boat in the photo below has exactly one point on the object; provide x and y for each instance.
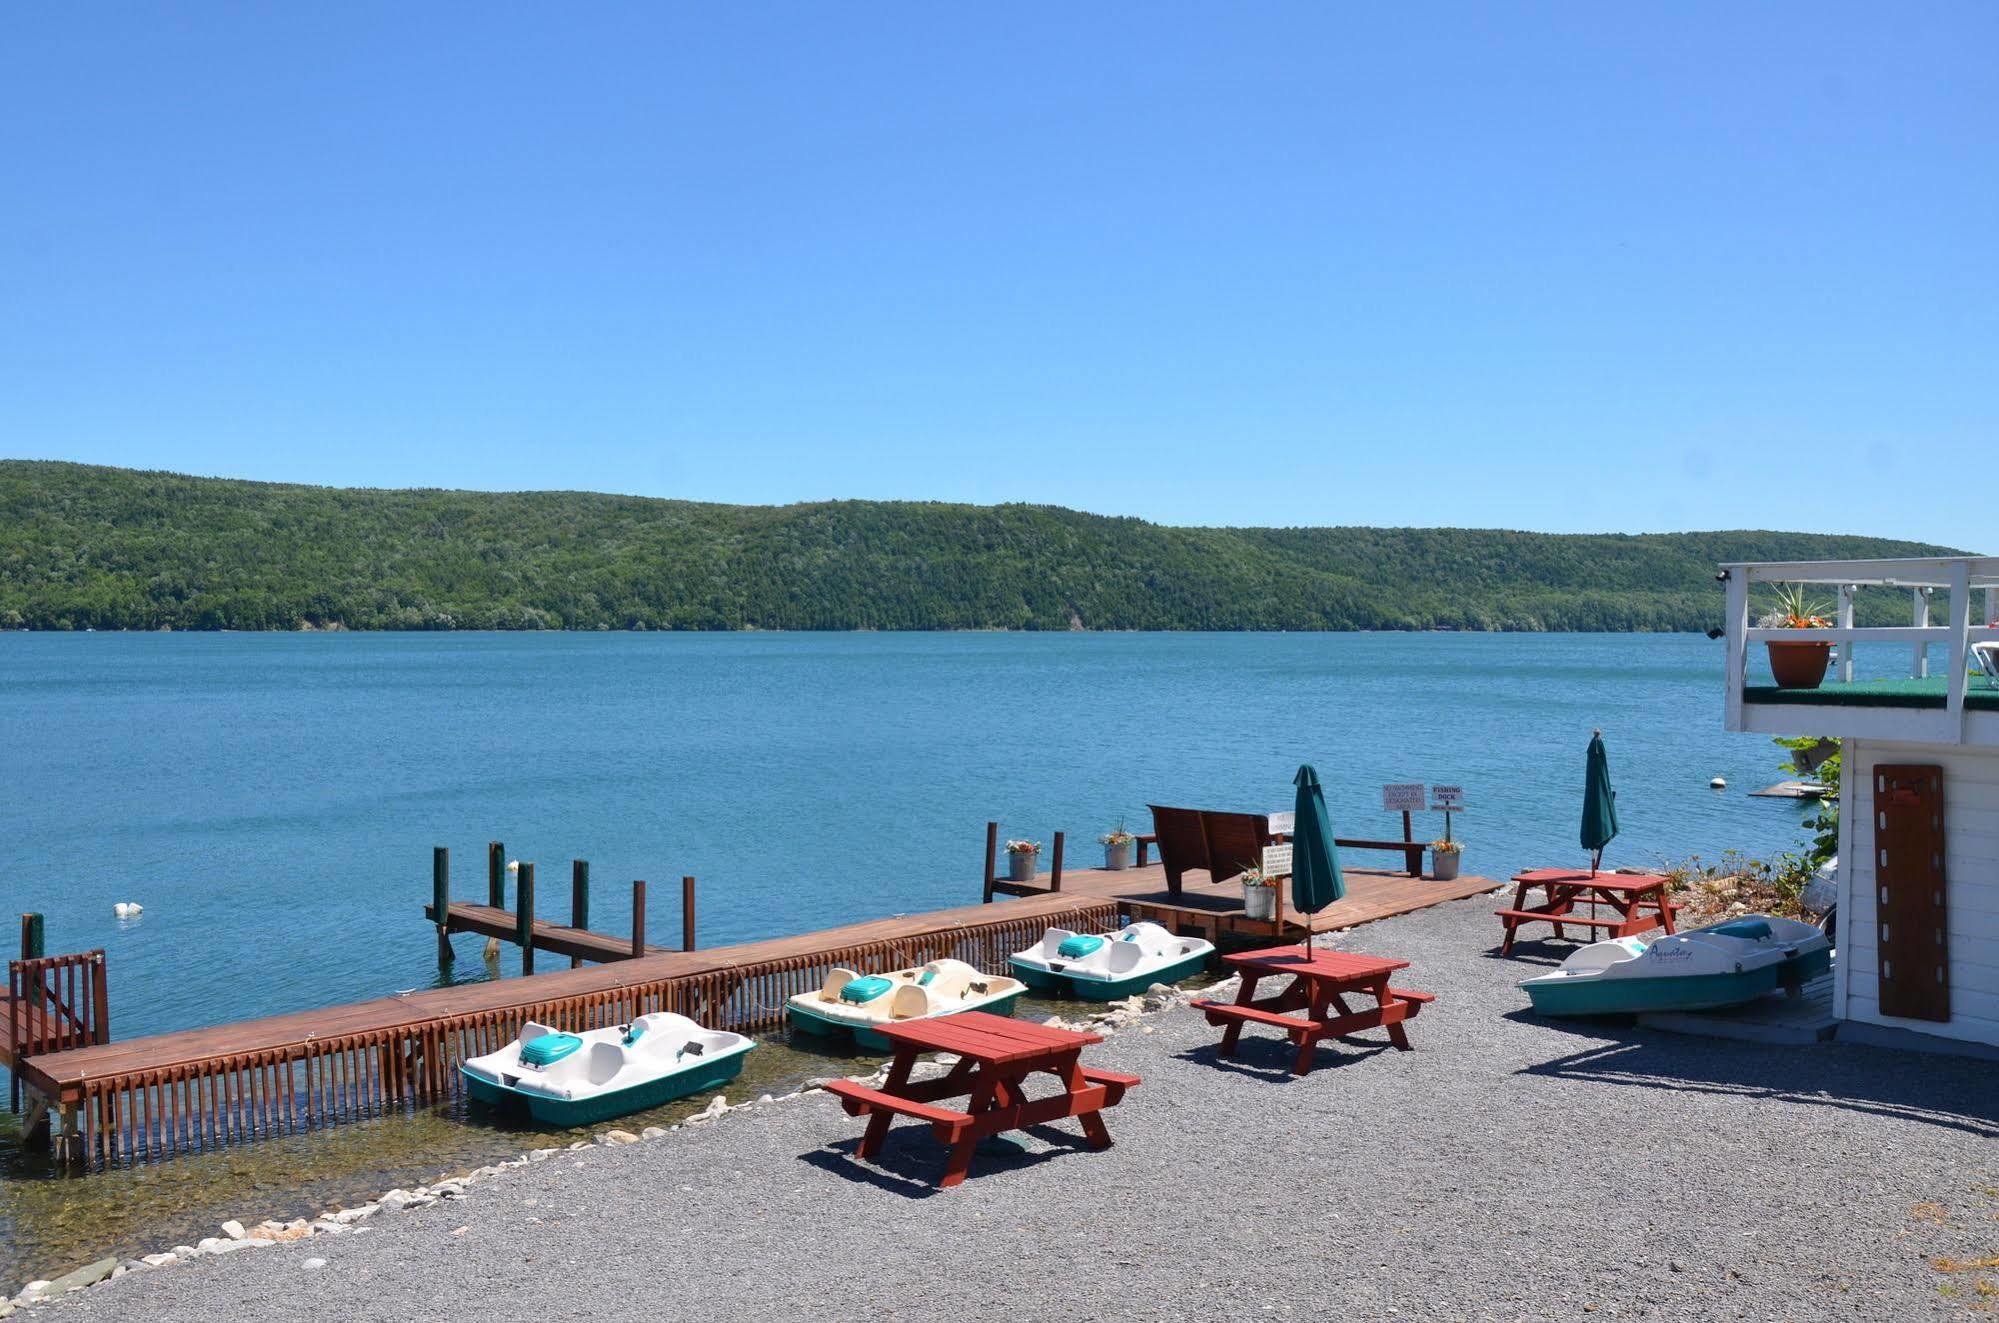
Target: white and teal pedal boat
(850, 1003)
(1110, 966)
(580, 1079)
(1724, 964)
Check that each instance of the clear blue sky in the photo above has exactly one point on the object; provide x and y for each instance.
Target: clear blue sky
(1626, 266)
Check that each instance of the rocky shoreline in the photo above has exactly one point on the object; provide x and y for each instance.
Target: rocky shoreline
(233, 1236)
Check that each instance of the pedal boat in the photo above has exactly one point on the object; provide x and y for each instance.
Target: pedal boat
(1724, 964)
(580, 1079)
(850, 1003)
(1110, 966)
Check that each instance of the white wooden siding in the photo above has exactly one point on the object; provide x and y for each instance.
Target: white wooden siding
(1971, 867)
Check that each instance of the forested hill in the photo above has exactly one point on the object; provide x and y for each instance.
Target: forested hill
(87, 547)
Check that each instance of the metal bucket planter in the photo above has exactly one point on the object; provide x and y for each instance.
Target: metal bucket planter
(1444, 864)
(1260, 902)
(1019, 866)
(1117, 856)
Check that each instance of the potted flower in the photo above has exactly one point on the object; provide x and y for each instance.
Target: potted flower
(1796, 665)
(1444, 859)
(1117, 845)
(1020, 857)
(1259, 895)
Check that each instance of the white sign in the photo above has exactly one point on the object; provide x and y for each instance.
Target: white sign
(1277, 861)
(1447, 797)
(1403, 797)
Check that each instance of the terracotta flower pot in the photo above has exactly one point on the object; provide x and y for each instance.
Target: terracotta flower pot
(1799, 665)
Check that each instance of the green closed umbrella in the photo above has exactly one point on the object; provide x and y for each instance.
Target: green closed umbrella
(1599, 803)
(1315, 861)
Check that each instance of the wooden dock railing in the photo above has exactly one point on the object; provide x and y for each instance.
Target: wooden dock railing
(53, 1003)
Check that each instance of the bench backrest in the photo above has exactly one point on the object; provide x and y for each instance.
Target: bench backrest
(1235, 842)
(1182, 843)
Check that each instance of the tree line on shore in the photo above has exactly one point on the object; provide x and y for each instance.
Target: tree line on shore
(87, 547)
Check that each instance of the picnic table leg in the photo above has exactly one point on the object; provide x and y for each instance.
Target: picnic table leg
(1396, 1034)
(1666, 911)
(960, 1160)
(1232, 1032)
(878, 1121)
(1094, 1129)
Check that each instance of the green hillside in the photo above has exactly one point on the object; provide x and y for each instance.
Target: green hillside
(88, 547)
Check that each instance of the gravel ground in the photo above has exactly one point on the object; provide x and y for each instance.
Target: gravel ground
(1505, 1169)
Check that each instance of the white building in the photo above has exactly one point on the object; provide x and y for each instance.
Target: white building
(1919, 826)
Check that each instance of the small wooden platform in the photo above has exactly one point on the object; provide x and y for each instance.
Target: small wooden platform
(1215, 911)
(558, 939)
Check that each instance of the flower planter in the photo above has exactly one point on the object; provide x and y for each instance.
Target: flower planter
(1260, 902)
(1019, 866)
(1799, 665)
(1444, 864)
(1117, 856)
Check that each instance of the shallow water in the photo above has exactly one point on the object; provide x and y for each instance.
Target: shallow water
(272, 801)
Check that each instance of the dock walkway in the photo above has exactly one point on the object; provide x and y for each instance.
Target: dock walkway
(196, 1088)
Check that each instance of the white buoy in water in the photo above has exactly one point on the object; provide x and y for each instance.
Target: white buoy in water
(1718, 784)
(128, 909)
(513, 865)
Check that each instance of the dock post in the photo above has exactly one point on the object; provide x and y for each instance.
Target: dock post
(524, 920)
(687, 914)
(32, 937)
(579, 899)
(100, 1001)
(638, 919)
(496, 875)
(440, 901)
(1055, 874)
(992, 844)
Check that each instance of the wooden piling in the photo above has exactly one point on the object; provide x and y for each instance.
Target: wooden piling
(638, 919)
(440, 899)
(524, 916)
(1055, 873)
(33, 933)
(992, 844)
(496, 875)
(579, 900)
(687, 914)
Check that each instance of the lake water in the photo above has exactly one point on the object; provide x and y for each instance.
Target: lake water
(272, 800)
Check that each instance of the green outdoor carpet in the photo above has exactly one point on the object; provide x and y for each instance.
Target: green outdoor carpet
(1875, 693)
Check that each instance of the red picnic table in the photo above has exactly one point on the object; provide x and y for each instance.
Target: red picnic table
(995, 1057)
(1321, 981)
(1638, 900)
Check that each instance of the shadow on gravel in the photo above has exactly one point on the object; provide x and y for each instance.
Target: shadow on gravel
(1543, 952)
(910, 1162)
(1270, 1059)
(1823, 1076)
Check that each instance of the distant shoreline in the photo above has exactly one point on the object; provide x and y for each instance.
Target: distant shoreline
(87, 547)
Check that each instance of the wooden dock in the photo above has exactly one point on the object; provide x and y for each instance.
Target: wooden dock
(1215, 910)
(167, 1093)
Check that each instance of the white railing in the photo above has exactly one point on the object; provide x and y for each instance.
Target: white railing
(1959, 578)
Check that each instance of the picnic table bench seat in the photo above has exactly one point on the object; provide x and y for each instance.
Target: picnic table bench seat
(858, 1098)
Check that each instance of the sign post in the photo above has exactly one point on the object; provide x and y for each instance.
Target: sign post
(1403, 797)
(1447, 800)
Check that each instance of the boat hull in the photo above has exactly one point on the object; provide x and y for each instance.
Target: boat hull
(1698, 992)
(807, 1021)
(570, 1113)
(1102, 989)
